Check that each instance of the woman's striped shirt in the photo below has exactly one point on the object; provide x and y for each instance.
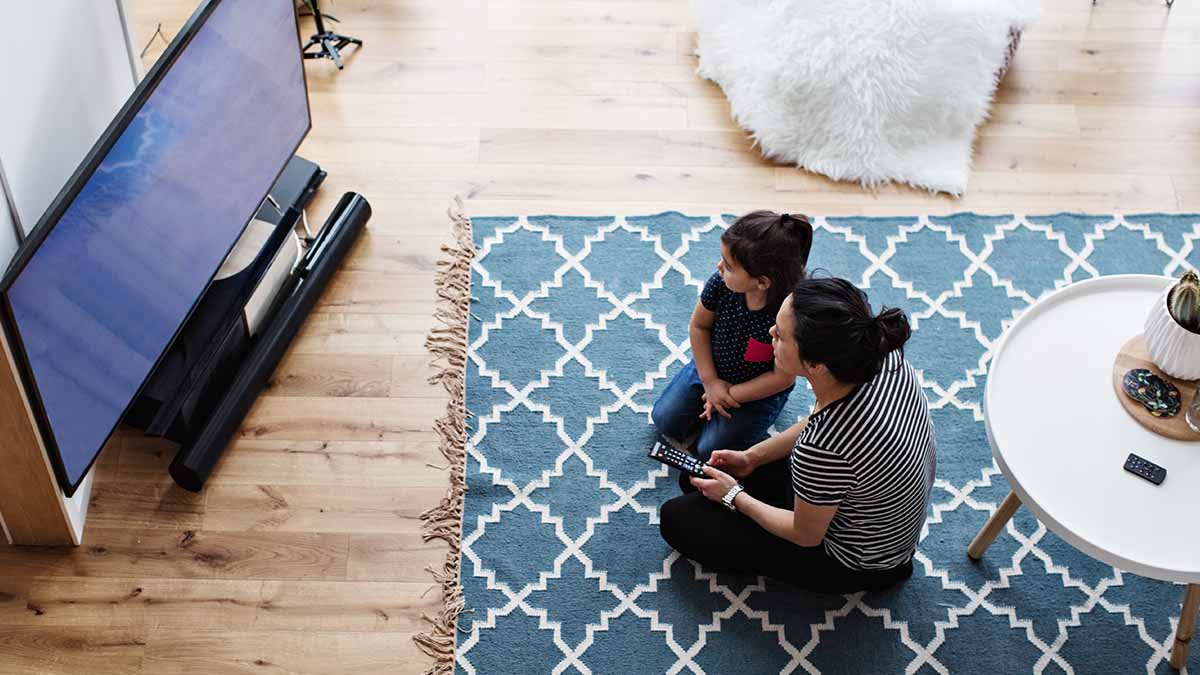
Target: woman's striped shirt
(871, 453)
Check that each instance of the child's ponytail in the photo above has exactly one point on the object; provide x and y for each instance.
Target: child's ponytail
(772, 245)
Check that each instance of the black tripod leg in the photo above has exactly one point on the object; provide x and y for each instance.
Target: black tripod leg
(343, 41)
(318, 52)
(332, 50)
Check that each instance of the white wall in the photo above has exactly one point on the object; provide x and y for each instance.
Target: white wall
(67, 74)
(8, 228)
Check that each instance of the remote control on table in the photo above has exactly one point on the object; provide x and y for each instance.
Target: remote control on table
(1146, 469)
(663, 452)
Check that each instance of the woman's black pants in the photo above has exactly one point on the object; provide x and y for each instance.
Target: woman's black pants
(726, 541)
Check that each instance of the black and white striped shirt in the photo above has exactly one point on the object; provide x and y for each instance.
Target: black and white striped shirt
(871, 453)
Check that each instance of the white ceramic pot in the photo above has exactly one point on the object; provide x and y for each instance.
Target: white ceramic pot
(1173, 348)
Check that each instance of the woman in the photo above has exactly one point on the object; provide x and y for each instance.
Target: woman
(861, 466)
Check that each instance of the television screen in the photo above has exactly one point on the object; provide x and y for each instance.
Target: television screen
(118, 262)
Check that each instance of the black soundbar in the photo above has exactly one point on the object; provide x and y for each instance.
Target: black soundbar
(195, 461)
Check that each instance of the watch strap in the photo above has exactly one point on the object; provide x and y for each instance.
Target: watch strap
(734, 491)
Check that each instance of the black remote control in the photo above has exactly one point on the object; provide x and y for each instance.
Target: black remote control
(663, 452)
(1146, 469)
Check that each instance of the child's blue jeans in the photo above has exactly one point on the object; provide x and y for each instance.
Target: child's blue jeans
(677, 414)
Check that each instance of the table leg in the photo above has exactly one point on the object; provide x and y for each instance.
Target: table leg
(1187, 626)
(993, 526)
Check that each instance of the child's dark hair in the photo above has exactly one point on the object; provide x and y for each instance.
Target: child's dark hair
(771, 245)
(835, 326)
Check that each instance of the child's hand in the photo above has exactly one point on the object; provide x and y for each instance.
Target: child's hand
(709, 409)
(717, 397)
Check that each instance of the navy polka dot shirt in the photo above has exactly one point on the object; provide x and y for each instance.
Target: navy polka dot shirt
(741, 341)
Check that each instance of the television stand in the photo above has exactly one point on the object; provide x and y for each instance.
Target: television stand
(201, 360)
(243, 324)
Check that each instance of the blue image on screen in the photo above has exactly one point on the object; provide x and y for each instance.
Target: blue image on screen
(100, 299)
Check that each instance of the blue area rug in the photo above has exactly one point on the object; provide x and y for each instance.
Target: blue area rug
(578, 323)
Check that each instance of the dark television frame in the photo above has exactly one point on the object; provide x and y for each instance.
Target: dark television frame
(66, 196)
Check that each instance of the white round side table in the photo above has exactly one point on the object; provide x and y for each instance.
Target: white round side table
(1060, 436)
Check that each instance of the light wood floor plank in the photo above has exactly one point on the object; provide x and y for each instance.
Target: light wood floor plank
(316, 508)
(616, 148)
(33, 602)
(996, 191)
(342, 375)
(477, 110)
(675, 80)
(337, 332)
(1152, 124)
(382, 252)
(353, 419)
(1090, 88)
(50, 649)
(396, 556)
(1188, 188)
(171, 651)
(364, 293)
(158, 505)
(186, 553)
(412, 461)
(414, 145)
(1181, 58)
(619, 16)
(1086, 157)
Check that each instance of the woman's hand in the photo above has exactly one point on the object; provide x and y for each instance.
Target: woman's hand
(734, 462)
(716, 486)
(717, 397)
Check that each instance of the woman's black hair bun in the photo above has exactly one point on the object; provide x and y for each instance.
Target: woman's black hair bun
(892, 328)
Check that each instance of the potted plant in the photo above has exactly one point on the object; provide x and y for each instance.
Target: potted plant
(1172, 329)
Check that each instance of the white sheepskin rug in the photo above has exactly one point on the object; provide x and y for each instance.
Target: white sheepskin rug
(863, 90)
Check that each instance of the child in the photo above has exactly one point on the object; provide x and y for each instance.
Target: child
(731, 390)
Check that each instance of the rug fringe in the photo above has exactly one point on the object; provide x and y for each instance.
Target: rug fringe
(447, 343)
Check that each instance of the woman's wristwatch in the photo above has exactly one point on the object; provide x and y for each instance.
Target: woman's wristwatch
(734, 491)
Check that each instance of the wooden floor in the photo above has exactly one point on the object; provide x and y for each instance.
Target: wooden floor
(304, 553)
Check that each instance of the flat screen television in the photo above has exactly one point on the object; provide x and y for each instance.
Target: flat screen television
(118, 262)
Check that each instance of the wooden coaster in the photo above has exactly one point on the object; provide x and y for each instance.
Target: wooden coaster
(1133, 355)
